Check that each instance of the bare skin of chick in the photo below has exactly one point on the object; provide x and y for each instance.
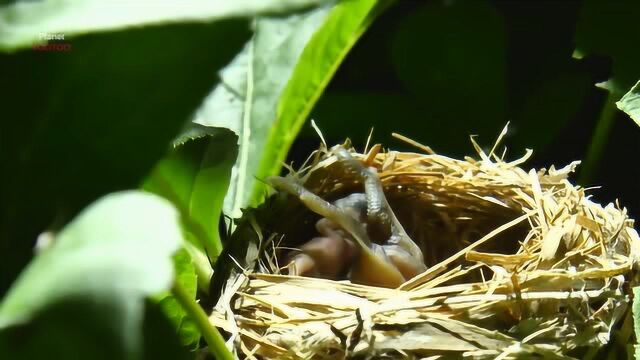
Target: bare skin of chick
(346, 229)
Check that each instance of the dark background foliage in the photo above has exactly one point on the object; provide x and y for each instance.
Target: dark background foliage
(438, 72)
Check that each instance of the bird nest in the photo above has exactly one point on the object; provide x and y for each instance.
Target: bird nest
(521, 264)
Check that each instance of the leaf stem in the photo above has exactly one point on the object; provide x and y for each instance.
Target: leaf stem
(202, 265)
(217, 346)
(598, 141)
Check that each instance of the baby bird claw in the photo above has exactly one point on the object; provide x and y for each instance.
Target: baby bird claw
(346, 229)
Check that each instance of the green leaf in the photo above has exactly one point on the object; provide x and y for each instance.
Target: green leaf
(25, 22)
(95, 278)
(80, 124)
(318, 63)
(195, 177)
(630, 103)
(185, 326)
(246, 99)
(268, 91)
(606, 28)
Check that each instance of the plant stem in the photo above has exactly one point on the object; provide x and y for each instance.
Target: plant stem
(598, 141)
(202, 265)
(211, 335)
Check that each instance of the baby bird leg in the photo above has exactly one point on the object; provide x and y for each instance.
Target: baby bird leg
(400, 249)
(377, 206)
(323, 208)
(367, 268)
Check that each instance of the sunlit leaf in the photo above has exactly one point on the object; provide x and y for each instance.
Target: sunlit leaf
(319, 61)
(630, 103)
(268, 91)
(246, 99)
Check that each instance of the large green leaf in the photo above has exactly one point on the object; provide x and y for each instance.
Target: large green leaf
(630, 103)
(80, 124)
(90, 285)
(195, 177)
(246, 99)
(268, 91)
(319, 61)
(24, 23)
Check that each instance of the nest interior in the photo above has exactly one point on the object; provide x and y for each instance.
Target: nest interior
(520, 264)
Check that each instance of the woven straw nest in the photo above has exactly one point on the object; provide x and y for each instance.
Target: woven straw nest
(521, 265)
